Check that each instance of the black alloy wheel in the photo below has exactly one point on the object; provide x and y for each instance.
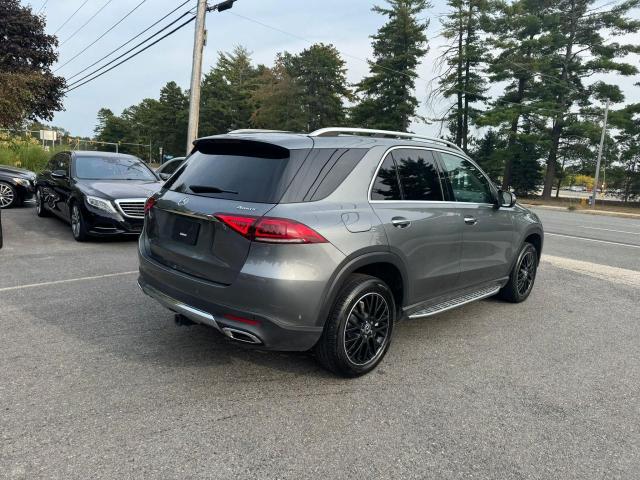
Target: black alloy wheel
(367, 328)
(359, 328)
(523, 275)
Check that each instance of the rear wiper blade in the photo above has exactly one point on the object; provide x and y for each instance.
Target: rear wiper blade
(208, 189)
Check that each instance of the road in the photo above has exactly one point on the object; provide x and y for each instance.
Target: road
(96, 380)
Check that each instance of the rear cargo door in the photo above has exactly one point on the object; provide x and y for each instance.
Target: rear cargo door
(231, 178)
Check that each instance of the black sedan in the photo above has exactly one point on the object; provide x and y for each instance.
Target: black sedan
(16, 186)
(98, 193)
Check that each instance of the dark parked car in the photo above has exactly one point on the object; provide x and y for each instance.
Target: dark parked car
(99, 193)
(16, 186)
(167, 168)
(325, 240)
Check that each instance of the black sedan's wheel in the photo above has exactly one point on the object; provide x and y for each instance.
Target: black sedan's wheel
(8, 195)
(78, 226)
(41, 210)
(523, 275)
(358, 332)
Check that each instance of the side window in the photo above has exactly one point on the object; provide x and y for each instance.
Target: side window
(418, 174)
(386, 186)
(467, 181)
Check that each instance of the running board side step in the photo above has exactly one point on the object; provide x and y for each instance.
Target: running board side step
(456, 302)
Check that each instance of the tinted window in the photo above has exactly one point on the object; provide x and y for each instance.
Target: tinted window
(248, 178)
(322, 172)
(467, 181)
(386, 186)
(171, 166)
(419, 175)
(112, 168)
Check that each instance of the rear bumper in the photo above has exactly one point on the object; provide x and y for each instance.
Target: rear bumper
(282, 313)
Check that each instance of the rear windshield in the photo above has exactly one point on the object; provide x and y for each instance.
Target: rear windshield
(112, 168)
(238, 174)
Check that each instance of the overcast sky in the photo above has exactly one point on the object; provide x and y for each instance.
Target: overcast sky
(347, 24)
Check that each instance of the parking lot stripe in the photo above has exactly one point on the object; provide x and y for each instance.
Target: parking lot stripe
(596, 270)
(611, 230)
(68, 280)
(592, 240)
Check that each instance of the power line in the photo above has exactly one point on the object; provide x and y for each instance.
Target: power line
(134, 55)
(101, 36)
(391, 70)
(70, 17)
(85, 23)
(130, 40)
(110, 62)
(44, 4)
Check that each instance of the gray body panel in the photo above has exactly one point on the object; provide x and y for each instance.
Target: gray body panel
(289, 288)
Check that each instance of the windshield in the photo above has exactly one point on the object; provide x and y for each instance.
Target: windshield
(112, 168)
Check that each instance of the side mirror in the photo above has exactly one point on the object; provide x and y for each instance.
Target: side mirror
(506, 199)
(59, 174)
(165, 176)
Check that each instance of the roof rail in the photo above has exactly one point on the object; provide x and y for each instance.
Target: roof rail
(331, 131)
(257, 130)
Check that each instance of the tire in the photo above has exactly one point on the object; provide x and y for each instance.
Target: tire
(41, 209)
(8, 196)
(353, 342)
(524, 270)
(78, 225)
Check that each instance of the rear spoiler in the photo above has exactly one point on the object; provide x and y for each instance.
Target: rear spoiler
(240, 147)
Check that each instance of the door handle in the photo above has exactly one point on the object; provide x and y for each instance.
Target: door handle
(400, 222)
(470, 220)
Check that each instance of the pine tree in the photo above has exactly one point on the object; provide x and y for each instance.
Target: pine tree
(278, 100)
(387, 97)
(226, 96)
(574, 49)
(513, 31)
(321, 74)
(463, 59)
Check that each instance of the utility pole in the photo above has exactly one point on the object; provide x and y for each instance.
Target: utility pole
(196, 74)
(604, 132)
(196, 66)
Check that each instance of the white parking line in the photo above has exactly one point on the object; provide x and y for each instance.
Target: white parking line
(611, 230)
(596, 270)
(69, 280)
(591, 240)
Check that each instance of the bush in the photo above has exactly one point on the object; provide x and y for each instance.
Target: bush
(23, 152)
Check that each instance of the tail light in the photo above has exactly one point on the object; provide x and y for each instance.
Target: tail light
(148, 205)
(271, 230)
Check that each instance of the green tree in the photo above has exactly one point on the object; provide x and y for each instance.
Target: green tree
(463, 59)
(387, 94)
(627, 179)
(489, 153)
(320, 73)
(278, 100)
(28, 89)
(514, 31)
(574, 49)
(227, 90)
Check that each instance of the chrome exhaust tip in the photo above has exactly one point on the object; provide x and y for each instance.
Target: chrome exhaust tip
(241, 336)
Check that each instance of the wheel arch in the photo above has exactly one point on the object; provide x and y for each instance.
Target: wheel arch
(382, 264)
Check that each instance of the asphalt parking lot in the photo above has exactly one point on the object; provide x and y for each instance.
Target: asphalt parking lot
(96, 381)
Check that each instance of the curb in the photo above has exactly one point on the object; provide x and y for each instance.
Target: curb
(585, 211)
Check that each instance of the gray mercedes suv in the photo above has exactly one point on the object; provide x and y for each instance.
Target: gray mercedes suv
(326, 240)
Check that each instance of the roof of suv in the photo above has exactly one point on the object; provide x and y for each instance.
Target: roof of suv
(292, 141)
